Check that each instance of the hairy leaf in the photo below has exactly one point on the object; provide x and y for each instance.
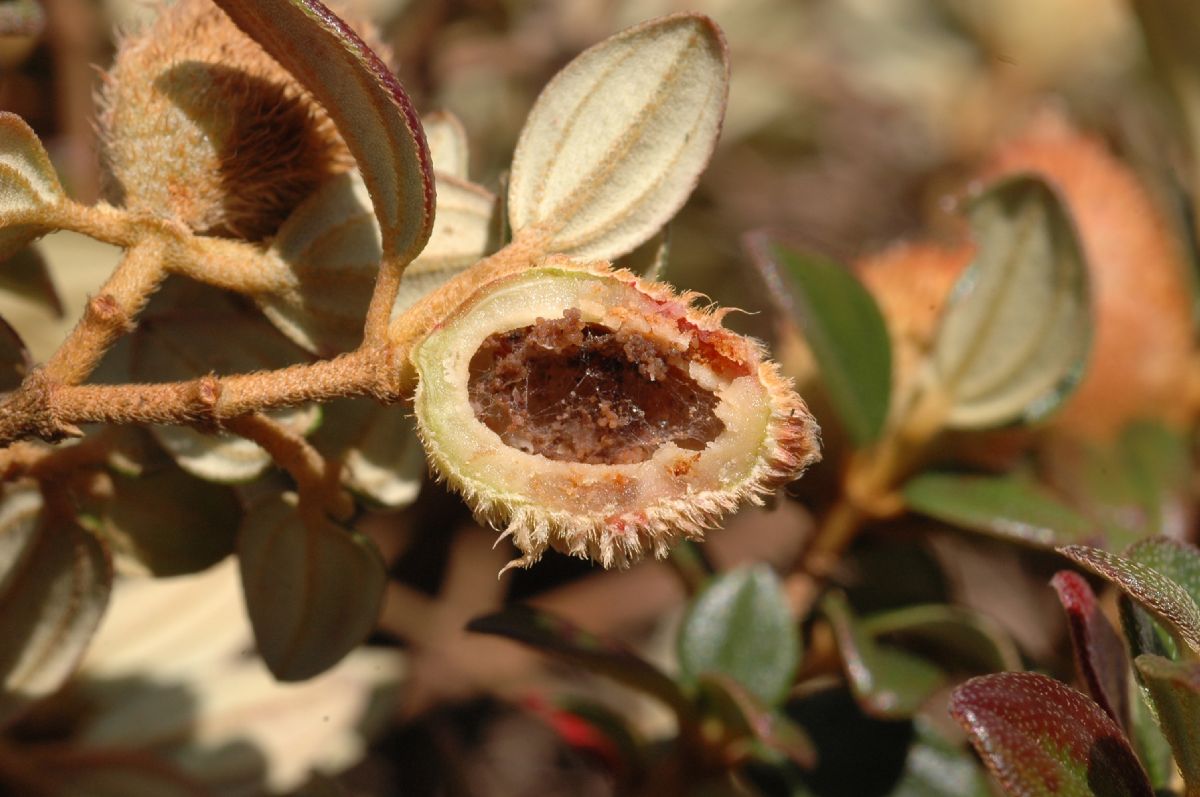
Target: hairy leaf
(563, 640)
(28, 185)
(1016, 331)
(1008, 507)
(175, 341)
(887, 682)
(166, 522)
(845, 330)
(312, 591)
(1175, 689)
(1099, 652)
(331, 247)
(366, 102)
(55, 580)
(740, 626)
(1041, 738)
(378, 446)
(448, 147)
(615, 143)
(1161, 596)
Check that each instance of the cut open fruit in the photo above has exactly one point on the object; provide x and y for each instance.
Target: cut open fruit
(583, 409)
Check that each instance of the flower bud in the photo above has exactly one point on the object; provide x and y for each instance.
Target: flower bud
(198, 123)
(585, 410)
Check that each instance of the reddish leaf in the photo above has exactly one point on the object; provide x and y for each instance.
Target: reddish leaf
(1040, 738)
(1099, 652)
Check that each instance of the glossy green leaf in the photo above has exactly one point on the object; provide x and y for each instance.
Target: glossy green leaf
(1016, 330)
(1008, 507)
(1174, 688)
(15, 361)
(175, 341)
(331, 248)
(27, 275)
(28, 186)
(888, 682)
(845, 330)
(617, 140)
(1169, 602)
(740, 626)
(367, 103)
(166, 522)
(313, 592)
(959, 639)
(565, 641)
(1099, 652)
(55, 580)
(381, 455)
(1040, 738)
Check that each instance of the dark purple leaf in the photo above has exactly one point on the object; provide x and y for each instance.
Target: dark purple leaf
(1099, 651)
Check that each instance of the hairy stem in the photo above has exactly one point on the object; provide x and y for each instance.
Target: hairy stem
(383, 298)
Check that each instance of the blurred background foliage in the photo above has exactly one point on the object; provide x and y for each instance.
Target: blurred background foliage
(852, 125)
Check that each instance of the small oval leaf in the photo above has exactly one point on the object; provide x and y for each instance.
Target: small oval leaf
(331, 247)
(55, 580)
(1175, 689)
(366, 102)
(175, 341)
(1008, 507)
(887, 682)
(1040, 738)
(378, 447)
(845, 330)
(1168, 601)
(740, 626)
(617, 140)
(28, 185)
(313, 592)
(1016, 331)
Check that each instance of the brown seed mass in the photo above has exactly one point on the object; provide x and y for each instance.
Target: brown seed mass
(579, 392)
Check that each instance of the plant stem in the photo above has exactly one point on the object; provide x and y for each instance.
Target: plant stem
(383, 298)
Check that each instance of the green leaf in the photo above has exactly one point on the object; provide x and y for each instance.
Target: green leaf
(1008, 507)
(740, 626)
(1040, 738)
(1169, 602)
(745, 716)
(1152, 747)
(887, 682)
(175, 341)
(166, 522)
(55, 580)
(938, 767)
(617, 140)
(1174, 688)
(1016, 330)
(367, 103)
(28, 186)
(381, 455)
(331, 248)
(313, 592)
(958, 638)
(845, 330)
(556, 637)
